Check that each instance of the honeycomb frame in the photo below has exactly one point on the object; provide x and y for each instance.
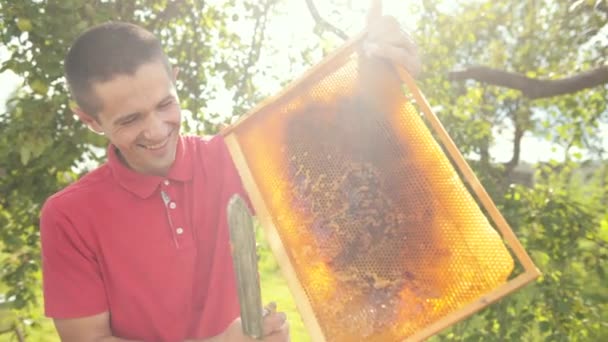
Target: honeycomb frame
(260, 202)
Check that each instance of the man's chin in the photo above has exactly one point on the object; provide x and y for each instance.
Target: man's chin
(163, 165)
(158, 165)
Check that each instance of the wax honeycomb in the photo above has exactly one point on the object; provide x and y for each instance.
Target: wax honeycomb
(379, 228)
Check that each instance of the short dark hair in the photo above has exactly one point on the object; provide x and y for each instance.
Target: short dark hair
(104, 52)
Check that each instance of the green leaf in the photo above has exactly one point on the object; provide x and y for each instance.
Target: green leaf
(25, 153)
(544, 326)
(39, 87)
(24, 24)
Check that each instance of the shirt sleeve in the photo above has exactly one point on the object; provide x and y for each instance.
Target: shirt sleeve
(72, 281)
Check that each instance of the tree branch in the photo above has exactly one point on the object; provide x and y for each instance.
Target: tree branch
(530, 87)
(324, 23)
(257, 40)
(517, 137)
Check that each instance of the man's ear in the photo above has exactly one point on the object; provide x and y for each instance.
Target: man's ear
(89, 120)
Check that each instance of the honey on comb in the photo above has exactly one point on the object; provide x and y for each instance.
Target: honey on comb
(364, 221)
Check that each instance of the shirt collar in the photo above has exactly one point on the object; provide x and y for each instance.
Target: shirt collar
(144, 185)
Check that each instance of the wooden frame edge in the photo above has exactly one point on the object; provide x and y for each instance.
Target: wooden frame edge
(300, 297)
(471, 308)
(468, 174)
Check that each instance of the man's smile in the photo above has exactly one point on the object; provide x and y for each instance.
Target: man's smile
(157, 146)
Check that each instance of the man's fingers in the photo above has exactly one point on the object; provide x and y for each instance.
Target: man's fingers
(400, 56)
(269, 308)
(385, 39)
(388, 30)
(400, 39)
(274, 322)
(383, 25)
(280, 335)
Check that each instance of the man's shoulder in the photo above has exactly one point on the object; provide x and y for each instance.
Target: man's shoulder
(84, 190)
(205, 141)
(211, 149)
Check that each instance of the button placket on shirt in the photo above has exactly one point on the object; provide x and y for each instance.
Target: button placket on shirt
(175, 212)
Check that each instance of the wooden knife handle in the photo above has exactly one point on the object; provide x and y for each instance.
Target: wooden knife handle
(245, 259)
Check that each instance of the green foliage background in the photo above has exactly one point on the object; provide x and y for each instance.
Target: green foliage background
(561, 217)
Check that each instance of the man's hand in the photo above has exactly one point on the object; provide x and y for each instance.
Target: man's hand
(387, 40)
(276, 329)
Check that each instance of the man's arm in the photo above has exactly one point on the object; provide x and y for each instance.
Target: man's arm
(93, 329)
(87, 329)
(97, 329)
(276, 329)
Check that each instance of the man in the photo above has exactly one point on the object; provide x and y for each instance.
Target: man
(137, 250)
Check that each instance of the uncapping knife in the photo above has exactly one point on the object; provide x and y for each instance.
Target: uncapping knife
(245, 259)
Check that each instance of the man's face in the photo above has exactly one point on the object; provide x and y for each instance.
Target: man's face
(141, 116)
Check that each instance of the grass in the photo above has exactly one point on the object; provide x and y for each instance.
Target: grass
(274, 288)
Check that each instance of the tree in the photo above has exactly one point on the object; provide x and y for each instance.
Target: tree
(533, 39)
(561, 219)
(535, 88)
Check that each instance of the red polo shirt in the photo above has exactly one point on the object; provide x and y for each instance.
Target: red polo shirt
(152, 251)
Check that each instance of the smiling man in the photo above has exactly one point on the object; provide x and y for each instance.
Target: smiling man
(137, 250)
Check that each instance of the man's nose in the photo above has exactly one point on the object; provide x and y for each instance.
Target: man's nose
(156, 129)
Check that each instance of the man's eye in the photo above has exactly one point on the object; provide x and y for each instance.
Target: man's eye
(165, 104)
(128, 121)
